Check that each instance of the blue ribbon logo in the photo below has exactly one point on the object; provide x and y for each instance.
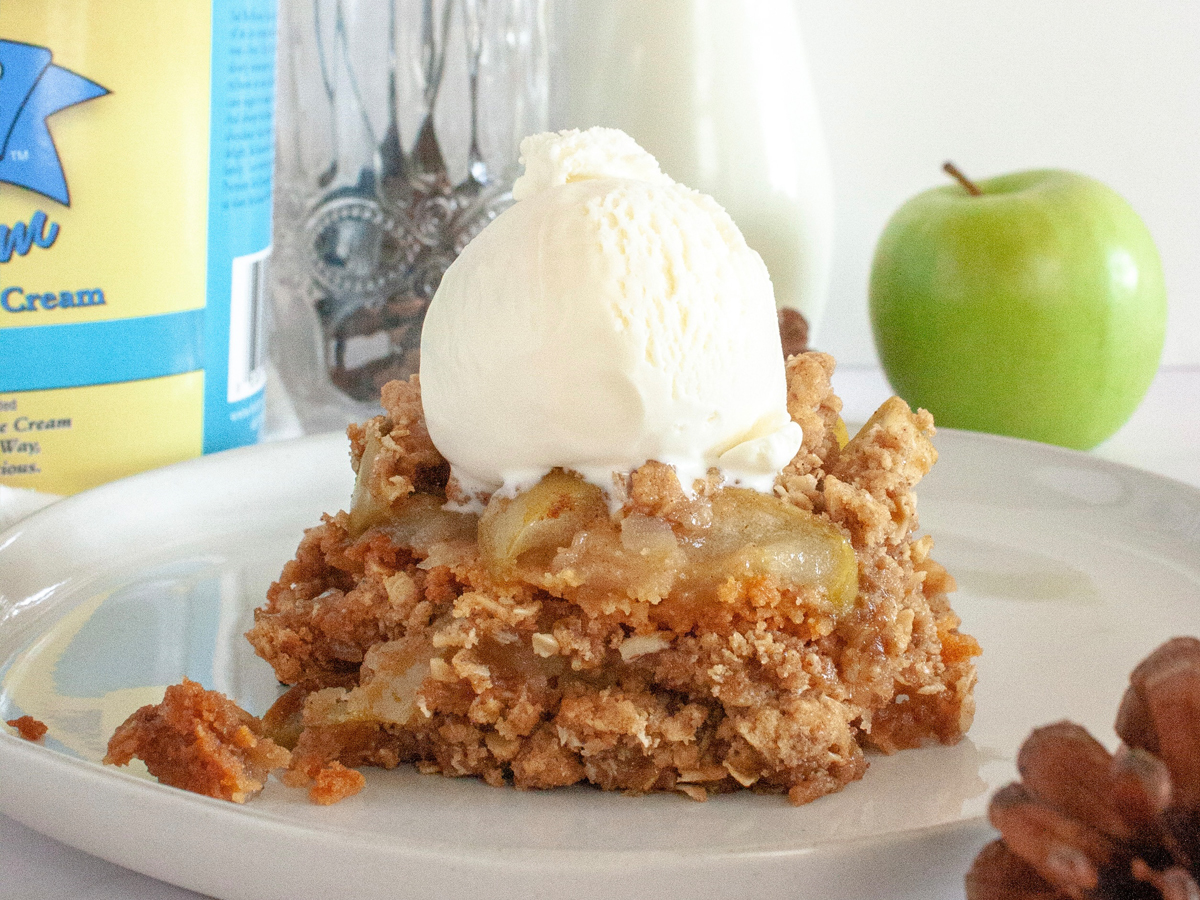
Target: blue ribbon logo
(31, 90)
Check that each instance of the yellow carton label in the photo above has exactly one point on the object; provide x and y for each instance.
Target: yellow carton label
(71, 439)
(135, 162)
(135, 187)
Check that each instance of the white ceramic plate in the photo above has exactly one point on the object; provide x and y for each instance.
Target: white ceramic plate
(1070, 569)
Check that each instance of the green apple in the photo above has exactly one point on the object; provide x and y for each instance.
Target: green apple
(1034, 307)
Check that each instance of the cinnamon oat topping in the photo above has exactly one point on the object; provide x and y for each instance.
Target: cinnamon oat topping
(697, 641)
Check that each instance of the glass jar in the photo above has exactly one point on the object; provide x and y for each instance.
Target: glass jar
(399, 125)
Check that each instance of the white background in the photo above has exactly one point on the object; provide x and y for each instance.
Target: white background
(1111, 89)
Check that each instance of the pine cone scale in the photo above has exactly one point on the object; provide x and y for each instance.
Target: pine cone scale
(999, 874)
(1070, 770)
(1067, 853)
(1168, 682)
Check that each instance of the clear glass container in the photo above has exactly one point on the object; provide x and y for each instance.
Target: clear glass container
(398, 131)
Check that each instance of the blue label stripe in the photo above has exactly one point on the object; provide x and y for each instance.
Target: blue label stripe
(239, 213)
(61, 356)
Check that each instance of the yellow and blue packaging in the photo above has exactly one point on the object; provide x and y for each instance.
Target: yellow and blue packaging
(135, 228)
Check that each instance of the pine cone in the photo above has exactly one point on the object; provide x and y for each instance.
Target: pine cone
(793, 332)
(1084, 823)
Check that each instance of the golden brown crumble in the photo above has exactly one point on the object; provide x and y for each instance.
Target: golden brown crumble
(695, 642)
(200, 741)
(28, 727)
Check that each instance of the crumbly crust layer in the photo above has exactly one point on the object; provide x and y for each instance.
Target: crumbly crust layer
(201, 741)
(28, 727)
(620, 651)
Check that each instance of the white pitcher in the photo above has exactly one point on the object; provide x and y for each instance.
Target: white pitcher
(719, 92)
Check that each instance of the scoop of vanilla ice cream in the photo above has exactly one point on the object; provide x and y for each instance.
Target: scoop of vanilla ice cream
(609, 317)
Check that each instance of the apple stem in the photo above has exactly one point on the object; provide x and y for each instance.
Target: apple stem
(954, 172)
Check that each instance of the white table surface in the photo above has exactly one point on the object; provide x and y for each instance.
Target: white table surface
(1163, 437)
